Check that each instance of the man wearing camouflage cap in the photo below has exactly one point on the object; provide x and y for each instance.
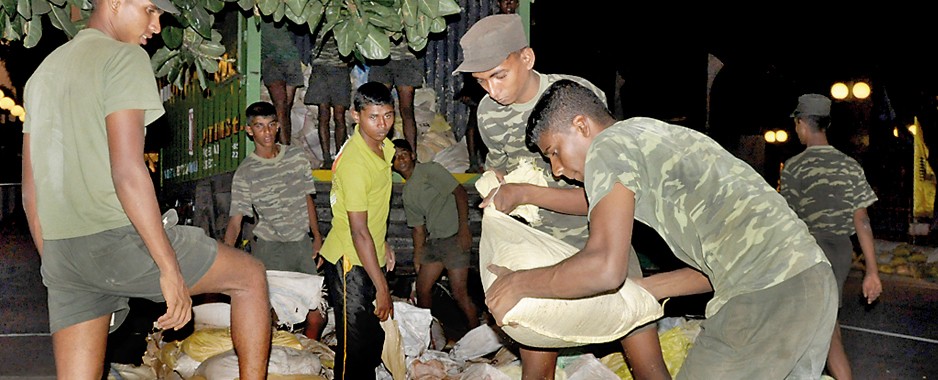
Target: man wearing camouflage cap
(828, 190)
(497, 55)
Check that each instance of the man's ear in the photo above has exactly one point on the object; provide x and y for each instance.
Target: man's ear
(527, 57)
(581, 124)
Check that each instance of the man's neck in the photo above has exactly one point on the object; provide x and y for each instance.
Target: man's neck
(816, 139)
(530, 87)
(267, 152)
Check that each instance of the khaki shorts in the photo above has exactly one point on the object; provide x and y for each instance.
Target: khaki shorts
(329, 85)
(406, 72)
(94, 275)
(782, 332)
(290, 256)
(446, 251)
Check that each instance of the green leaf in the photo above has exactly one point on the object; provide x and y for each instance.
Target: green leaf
(384, 3)
(333, 15)
(429, 7)
(172, 37)
(167, 68)
(437, 25)
(384, 17)
(344, 38)
(297, 6)
(199, 73)
(246, 5)
(449, 7)
(60, 19)
(314, 17)
(376, 44)
(214, 6)
(14, 28)
(279, 12)
(409, 9)
(293, 17)
(40, 7)
(209, 65)
(58, 3)
(200, 20)
(211, 49)
(160, 57)
(267, 7)
(9, 6)
(24, 8)
(33, 32)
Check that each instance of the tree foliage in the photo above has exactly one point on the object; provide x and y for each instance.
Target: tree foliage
(363, 28)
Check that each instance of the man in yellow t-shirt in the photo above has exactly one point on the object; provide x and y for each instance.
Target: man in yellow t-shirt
(355, 248)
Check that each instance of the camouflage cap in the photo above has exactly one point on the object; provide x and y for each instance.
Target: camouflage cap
(812, 105)
(166, 5)
(489, 41)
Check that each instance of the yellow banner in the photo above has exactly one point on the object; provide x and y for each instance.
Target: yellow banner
(923, 184)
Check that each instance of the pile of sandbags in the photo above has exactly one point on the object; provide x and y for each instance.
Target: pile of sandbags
(903, 259)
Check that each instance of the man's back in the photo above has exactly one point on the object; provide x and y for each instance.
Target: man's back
(825, 186)
(69, 96)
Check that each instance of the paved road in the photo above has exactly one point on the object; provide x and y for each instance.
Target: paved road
(897, 338)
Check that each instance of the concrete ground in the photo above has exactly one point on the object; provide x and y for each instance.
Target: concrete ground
(896, 338)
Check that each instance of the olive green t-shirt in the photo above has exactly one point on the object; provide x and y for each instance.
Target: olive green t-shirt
(68, 97)
(429, 200)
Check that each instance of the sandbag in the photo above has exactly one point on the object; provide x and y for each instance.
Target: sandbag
(283, 361)
(293, 295)
(206, 343)
(555, 323)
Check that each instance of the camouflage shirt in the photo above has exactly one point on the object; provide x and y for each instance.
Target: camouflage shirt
(276, 188)
(502, 129)
(328, 54)
(714, 211)
(277, 42)
(825, 187)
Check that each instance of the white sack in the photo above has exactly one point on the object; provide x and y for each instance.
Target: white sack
(554, 323)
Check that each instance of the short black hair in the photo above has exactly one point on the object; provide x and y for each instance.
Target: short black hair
(262, 109)
(557, 107)
(817, 122)
(403, 144)
(372, 93)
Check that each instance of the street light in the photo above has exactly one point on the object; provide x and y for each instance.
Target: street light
(861, 90)
(840, 91)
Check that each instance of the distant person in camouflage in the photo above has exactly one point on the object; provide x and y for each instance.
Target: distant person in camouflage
(274, 185)
(773, 310)
(497, 55)
(828, 190)
(404, 71)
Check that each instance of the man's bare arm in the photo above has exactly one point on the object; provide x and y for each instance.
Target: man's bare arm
(29, 196)
(125, 135)
(365, 249)
(601, 266)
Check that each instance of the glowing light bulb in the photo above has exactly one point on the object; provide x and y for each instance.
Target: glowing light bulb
(861, 90)
(770, 136)
(839, 91)
(781, 136)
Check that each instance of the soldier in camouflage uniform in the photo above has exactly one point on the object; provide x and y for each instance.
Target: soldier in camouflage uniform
(274, 185)
(772, 312)
(497, 55)
(828, 190)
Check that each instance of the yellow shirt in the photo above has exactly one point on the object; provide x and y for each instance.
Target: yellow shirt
(361, 181)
